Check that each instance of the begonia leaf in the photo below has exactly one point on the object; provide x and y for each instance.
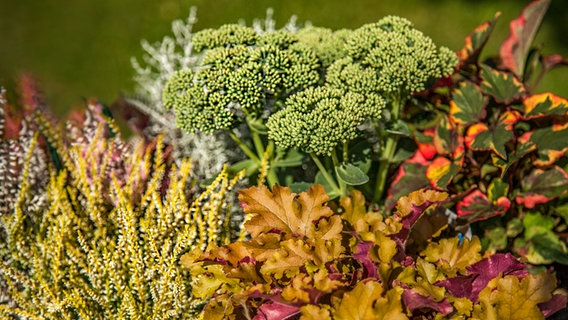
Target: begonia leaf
(504, 87)
(541, 186)
(515, 48)
(544, 105)
(451, 256)
(476, 40)
(476, 206)
(366, 301)
(468, 104)
(283, 210)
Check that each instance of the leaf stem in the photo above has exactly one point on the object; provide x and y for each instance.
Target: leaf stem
(324, 172)
(244, 147)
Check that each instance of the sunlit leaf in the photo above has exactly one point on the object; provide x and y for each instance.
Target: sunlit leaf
(476, 40)
(314, 312)
(504, 87)
(541, 186)
(468, 104)
(451, 256)
(365, 301)
(544, 105)
(515, 48)
(282, 210)
(494, 137)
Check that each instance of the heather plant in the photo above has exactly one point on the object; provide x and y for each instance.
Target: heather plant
(104, 241)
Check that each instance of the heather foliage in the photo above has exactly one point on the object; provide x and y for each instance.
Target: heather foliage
(96, 230)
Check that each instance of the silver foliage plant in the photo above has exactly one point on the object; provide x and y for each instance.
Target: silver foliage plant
(159, 62)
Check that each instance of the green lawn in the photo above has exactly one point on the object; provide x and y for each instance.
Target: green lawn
(79, 49)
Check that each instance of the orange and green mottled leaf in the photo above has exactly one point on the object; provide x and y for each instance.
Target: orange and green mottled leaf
(515, 48)
(476, 40)
(504, 87)
(283, 210)
(468, 104)
(366, 301)
(476, 206)
(441, 172)
(446, 138)
(451, 256)
(544, 105)
(480, 137)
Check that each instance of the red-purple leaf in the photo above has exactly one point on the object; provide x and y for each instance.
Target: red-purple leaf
(480, 273)
(414, 301)
(362, 255)
(557, 303)
(515, 48)
(276, 311)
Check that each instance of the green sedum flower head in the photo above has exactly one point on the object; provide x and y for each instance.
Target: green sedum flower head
(242, 75)
(391, 56)
(320, 119)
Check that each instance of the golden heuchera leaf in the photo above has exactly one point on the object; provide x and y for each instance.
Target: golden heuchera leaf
(451, 256)
(288, 260)
(283, 210)
(353, 207)
(365, 301)
(515, 298)
(314, 312)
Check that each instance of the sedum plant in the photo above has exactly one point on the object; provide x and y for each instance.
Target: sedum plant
(307, 259)
(114, 218)
(282, 95)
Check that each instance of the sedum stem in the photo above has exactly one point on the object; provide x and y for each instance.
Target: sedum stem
(323, 171)
(244, 147)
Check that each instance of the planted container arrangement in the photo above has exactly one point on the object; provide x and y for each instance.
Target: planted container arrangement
(298, 173)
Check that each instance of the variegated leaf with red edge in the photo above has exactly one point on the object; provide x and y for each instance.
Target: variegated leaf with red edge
(550, 142)
(481, 137)
(541, 186)
(475, 41)
(544, 105)
(468, 104)
(504, 87)
(411, 176)
(476, 206)
(515, 48)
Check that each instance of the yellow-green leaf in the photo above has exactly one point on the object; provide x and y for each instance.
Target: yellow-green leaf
(451, 256)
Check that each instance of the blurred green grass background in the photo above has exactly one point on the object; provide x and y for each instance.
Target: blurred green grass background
(81, 49)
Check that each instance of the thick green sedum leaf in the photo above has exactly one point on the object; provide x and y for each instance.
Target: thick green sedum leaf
(351, 174)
